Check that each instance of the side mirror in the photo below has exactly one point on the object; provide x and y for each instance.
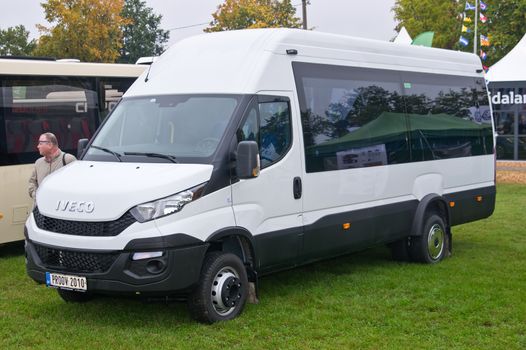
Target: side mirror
(247, 160)
(81, 147)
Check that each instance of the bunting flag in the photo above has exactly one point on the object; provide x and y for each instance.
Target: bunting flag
(465, 29)
(484, 41)
(466, 24)
(486, 68)
(463, 41)
(469, 7)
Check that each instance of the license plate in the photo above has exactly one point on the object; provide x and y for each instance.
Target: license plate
(58, 280)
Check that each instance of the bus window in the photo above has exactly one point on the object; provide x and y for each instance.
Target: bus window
(446, 116)
(32, 106)
(114, 88)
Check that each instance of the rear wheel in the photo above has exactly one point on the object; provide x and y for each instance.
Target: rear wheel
(74, 297)
(222, 291)
(433, 244)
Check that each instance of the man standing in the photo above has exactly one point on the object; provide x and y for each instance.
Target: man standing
(52, 159)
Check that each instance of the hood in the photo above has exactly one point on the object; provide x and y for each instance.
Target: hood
(103, 191)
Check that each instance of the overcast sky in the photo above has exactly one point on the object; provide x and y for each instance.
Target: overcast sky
(370, 18)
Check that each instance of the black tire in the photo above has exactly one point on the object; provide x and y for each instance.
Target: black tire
(74, 297)
(222, 291)
(433, 244)
(400, 250)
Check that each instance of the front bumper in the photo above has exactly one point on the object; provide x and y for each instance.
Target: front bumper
(114, 272)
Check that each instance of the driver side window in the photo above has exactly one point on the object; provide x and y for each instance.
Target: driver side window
(269, 124)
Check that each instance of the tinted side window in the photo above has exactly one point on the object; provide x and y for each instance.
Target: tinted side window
(351, 117)
(275, 131)
(65, 106)
(269, 124)
(114, 88)
(448, 116)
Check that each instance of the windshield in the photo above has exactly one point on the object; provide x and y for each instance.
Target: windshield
(166, 128)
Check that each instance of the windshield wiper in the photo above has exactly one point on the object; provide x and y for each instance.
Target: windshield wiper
(152, 155)
(117, 155)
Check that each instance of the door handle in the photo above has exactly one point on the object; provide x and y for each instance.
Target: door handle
(296, 187)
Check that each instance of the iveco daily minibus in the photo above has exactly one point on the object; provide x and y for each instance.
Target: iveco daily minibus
(242, 153)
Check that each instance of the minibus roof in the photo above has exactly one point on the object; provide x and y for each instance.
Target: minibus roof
(253, 60)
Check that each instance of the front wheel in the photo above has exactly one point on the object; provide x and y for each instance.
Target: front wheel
(222, 291)
(433, 244)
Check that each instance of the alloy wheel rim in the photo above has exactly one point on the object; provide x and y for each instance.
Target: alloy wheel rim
(435, 242)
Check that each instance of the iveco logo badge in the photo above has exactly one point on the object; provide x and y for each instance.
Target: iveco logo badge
(78, 206)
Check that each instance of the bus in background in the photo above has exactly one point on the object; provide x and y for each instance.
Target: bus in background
(69, 99)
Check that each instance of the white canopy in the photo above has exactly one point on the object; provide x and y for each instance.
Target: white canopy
(403, 37)
(511, 67)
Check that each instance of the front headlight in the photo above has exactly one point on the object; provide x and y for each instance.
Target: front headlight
(166, 206)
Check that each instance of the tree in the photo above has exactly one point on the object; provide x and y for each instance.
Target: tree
(241, 14)
(141, 34)
(439, 16)
(14, 42)
(89, 30)
(505, 26)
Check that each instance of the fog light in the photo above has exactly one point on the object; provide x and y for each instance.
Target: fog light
(146, 255)
(155, 266)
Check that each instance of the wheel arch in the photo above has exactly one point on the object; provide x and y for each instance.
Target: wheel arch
(431, 202)
(235, 240)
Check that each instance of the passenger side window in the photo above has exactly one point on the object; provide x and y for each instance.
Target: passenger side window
(448, 116)
(351, 117)
(269, 125)
(65, 106)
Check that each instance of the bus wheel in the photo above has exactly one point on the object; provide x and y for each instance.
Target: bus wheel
(432, 245)
(74, 297)
(222, 290)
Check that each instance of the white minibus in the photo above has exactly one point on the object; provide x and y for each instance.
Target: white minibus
(242, 153)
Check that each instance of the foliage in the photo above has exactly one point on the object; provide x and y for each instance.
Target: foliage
(505, 26)
(439, 16)
(241, 14)
(89, 30)
(14, 41)
(473, 300)
(141, 35)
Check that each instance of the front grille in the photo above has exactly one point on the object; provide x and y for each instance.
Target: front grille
(73, 261)
(83, 228)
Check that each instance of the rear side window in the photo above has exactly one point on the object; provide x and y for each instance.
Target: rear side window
(269, 124)
(448, 116)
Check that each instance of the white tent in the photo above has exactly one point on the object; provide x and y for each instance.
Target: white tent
(403, 37)
(511, 67)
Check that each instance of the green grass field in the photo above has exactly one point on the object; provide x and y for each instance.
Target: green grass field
(474, 300)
